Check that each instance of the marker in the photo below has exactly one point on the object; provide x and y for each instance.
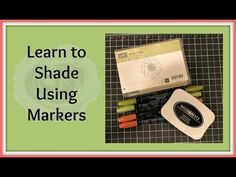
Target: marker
(194, 88)
(155, 96)
(135, 123)
(196, 94)
(144, 99)
(144, 107)
(133, 120)
(140, 116)
(152, 105)
(148, 115)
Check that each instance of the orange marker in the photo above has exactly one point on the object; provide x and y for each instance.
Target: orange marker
(140, 116)
(127, 118)
(135, 123)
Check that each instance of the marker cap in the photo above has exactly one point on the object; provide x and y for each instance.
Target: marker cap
(127, 102)
(196, 94)
(125, 108)
(127, 118)
(128, 124)
(194, 88)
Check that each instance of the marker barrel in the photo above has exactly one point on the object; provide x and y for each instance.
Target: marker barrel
(149, 106)
(141, 108)
(144, 107)
(135, 123)
(145, 99)
(140, 116)
(157, 96)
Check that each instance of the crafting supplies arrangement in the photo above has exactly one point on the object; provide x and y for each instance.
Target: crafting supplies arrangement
(148, 107)
(161, 67)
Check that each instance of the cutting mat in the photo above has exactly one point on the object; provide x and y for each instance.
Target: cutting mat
(204, 54)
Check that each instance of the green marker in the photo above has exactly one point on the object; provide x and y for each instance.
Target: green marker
(196, 94)
(151, 105)
(194, 88)
(127, 102)
(148, 98)
(145, 99)
(125, 108)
